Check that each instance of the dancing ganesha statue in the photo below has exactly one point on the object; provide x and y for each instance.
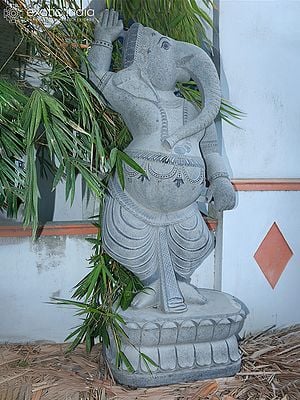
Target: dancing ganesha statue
(154, 227)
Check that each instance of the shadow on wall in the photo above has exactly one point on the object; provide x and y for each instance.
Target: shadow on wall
(216, 56)
(45, 180)
(225, 95)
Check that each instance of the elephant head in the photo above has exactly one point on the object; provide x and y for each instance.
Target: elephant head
(166, 61)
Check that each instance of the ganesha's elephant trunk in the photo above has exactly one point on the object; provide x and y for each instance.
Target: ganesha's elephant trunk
(201, 69)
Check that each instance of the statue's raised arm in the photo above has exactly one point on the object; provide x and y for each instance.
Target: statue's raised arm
(107, 30)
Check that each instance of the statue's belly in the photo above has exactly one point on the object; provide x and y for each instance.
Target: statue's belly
(172, 182)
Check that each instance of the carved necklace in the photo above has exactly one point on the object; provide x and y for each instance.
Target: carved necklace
(171, 104)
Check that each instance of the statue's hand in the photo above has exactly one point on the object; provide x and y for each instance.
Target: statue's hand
(109, 26)
(223, 194)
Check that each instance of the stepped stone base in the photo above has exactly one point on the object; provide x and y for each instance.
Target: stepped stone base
(200, 343)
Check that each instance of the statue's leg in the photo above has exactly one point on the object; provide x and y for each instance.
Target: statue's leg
(143, 249)
(162, 256)
(129, 240)
(132, 242)
(164, 291)
(181, 248)
(190, 242)
(171, 298)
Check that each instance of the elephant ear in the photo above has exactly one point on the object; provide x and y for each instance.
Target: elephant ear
(202, 70)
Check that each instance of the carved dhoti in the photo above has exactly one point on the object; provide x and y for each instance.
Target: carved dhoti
(155, 244)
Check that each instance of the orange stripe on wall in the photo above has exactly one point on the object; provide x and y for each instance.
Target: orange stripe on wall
(65, 229)
(271, 185)
(51, 229)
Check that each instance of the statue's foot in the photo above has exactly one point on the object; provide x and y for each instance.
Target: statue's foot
(177, 305)
(191, 294)
(147, 298)
(150, 298)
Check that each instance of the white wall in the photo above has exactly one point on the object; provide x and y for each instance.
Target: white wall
(244, 229)
(260, 56)
(30, 274)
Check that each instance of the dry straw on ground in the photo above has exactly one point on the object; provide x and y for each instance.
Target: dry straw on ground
(271, 371)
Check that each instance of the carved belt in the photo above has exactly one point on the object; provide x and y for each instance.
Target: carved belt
(179, 172)
(172, 159)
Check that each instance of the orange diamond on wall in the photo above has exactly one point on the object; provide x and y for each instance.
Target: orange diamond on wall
(273, 255)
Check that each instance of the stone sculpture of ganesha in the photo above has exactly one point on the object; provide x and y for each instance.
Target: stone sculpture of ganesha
(154, 227)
